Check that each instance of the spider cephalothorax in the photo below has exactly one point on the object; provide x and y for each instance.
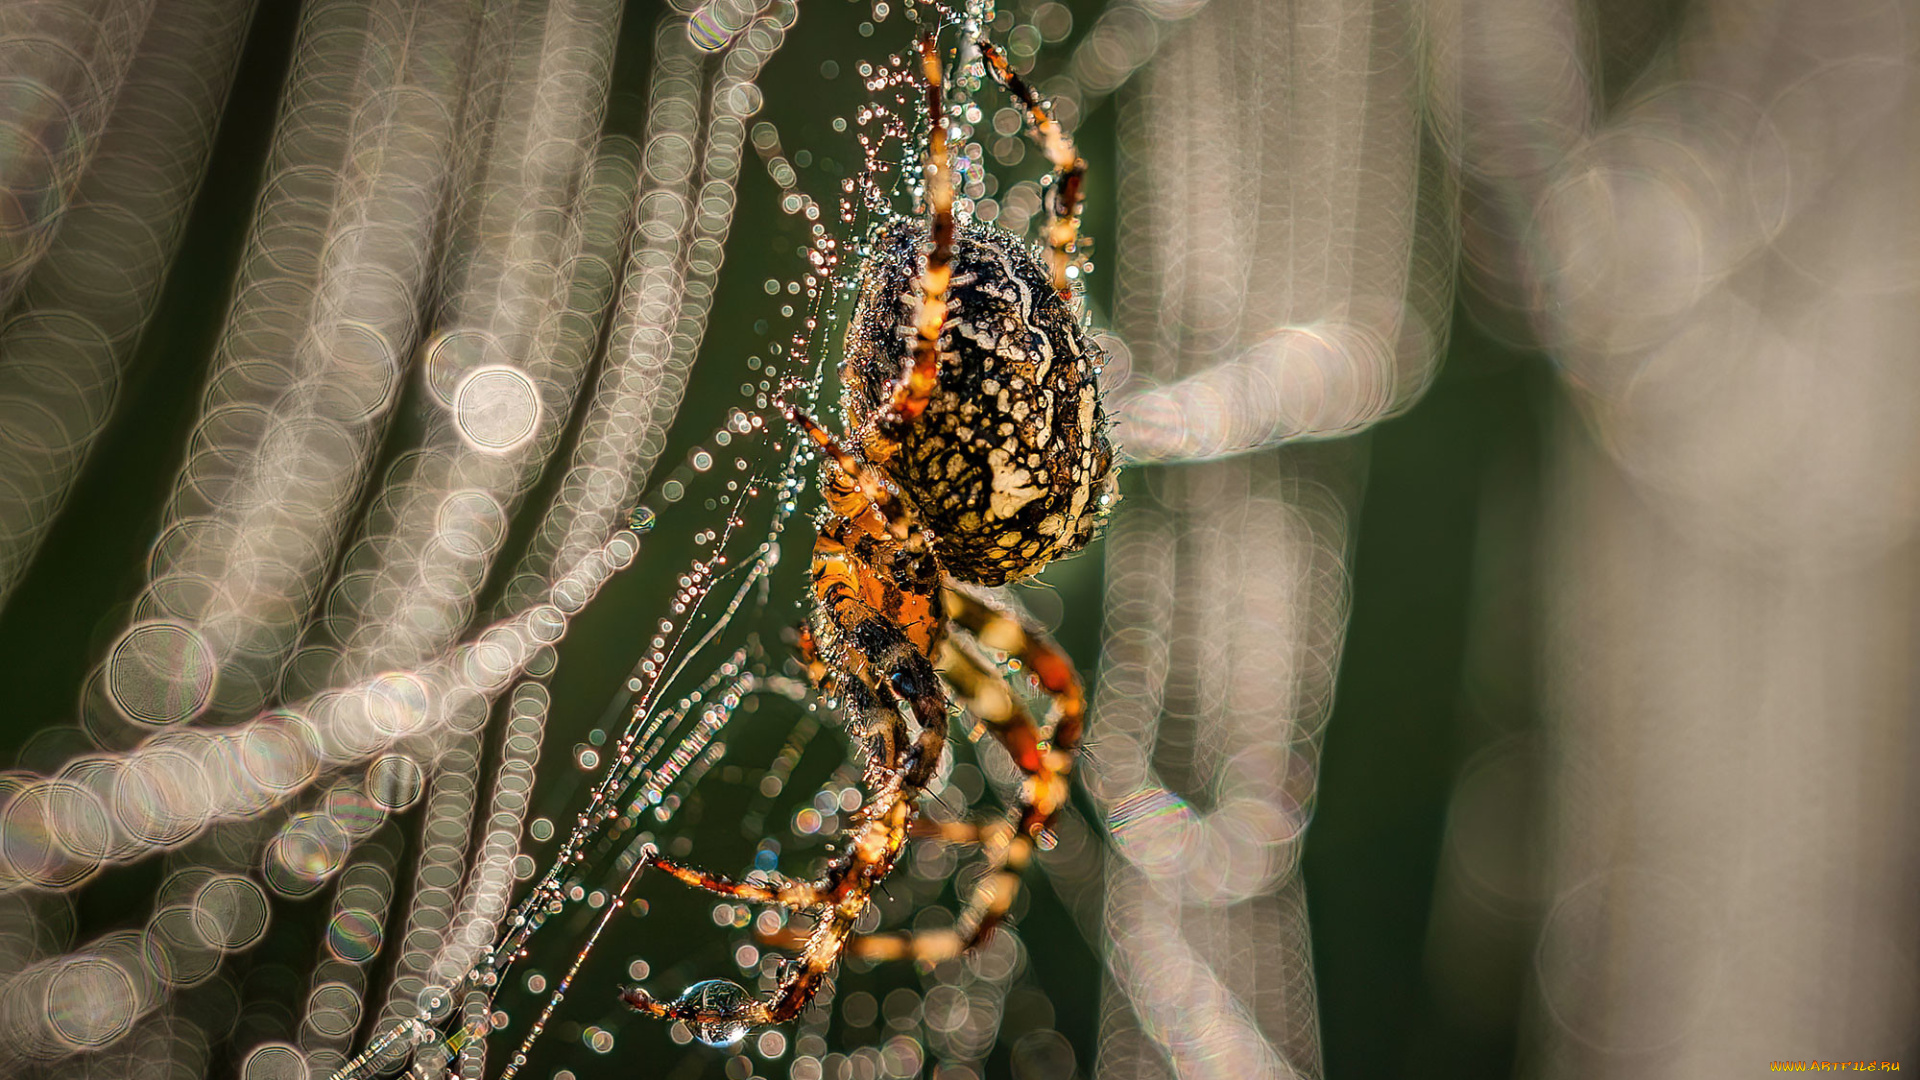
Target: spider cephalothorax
(1009, 466)
(976, 452)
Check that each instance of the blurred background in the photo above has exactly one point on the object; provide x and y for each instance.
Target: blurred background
(396, 536)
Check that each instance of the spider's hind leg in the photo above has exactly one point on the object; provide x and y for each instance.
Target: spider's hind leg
(1007, 855)
(922, 375)
(1070, 169)
(984, 693)
(795, 895)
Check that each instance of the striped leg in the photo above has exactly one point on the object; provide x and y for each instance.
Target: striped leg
(1007, 852)
(797, 895)
(875, 621)
(1070, 170)
(1045, 759)
(985, 696)
(1053, 669)
(854, 489)
(869, 857)
(922, 376)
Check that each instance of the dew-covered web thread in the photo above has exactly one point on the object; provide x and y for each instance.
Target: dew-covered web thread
(1720, 258)
(437, 197)
(102, 185)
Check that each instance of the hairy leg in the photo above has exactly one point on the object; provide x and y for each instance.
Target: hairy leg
(1006, 845)
(922, 375)
(1070, 170)
(1042, 658)
(1007, 852)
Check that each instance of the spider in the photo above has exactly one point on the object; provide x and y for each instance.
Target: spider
(976, 453)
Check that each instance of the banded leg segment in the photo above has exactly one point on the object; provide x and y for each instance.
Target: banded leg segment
(854, 489)
(797, 895)
(1049, 665)
(1008, 852)
(1045, 758)
(869, 858)
(986, 697)
(1070, 169)
(922, 376)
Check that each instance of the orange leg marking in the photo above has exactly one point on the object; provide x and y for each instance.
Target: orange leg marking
(1063, 205)
(854, 489)
(1008, 853)
(922, 377)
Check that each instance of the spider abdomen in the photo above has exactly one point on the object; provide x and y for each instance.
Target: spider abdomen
(1010, 465)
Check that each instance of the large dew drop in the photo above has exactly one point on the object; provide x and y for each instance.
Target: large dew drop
(719, 1009)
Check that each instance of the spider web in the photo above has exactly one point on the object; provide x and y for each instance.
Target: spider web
(297, 668)
(437, 193)
(319, 671)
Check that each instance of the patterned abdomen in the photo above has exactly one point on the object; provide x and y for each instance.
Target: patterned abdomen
(1010, 465)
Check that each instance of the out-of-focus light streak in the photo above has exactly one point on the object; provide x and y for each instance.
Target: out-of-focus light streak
(310, 365)
(65, 63)
(176, 785)
(1126, 36)
(501, 368)
(1284, 272)
(1227, 603)
(501, 379)
(689, 171)
(77, 308)
(1720, 256)
(1286, 240)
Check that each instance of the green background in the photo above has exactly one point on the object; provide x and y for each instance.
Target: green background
(1435, 667)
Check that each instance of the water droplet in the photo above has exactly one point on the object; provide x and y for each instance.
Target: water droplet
(718, 1008)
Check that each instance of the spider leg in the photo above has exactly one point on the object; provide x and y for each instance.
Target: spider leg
(866, 508)
(1070, 169)
(922, 376)
(817, 671)
(871, 852)
(1007, 851)
(1049, 665)
(797, 895)
(876, 618)
(855, 490)
(880, 732)
(985, 696)
(1045, 759)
